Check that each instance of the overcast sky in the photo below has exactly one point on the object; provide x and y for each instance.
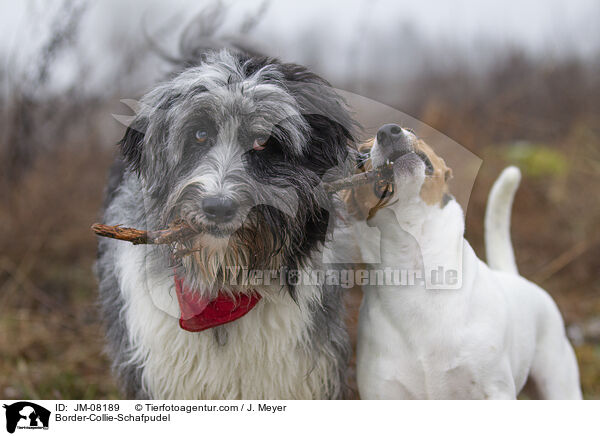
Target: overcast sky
(323, 32)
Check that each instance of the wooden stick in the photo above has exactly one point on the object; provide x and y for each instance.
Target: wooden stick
(179, 230)
(384, 173)
(175, 232)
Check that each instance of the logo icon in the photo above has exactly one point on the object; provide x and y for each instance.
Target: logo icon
(26, 415)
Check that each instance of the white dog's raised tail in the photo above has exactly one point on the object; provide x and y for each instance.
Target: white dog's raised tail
(498, 246)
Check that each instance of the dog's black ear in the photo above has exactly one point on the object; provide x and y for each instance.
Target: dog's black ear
(132, 144)
(333, 131)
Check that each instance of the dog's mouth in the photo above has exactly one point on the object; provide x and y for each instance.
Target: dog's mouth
(426, 161)
(219, 231)
(202, 227)
(398, 155)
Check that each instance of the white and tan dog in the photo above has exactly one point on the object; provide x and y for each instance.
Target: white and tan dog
(484, 331)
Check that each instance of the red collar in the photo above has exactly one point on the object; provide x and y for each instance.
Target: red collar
(198, 313)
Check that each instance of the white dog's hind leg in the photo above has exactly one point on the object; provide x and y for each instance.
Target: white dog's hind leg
(555, 373)
(554, 370)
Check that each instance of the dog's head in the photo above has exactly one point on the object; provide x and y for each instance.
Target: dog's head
(238, 146)
(420, 175)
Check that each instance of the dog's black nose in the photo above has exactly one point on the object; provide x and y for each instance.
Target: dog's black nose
(388, 133)
(394, 141)
(221, 209)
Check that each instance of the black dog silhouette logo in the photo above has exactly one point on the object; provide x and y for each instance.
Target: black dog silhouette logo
(26, 415)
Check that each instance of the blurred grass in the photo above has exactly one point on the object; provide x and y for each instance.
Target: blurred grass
(51, 340)
(541, 117)
(48, 355)
(536, 160)
(588, 356)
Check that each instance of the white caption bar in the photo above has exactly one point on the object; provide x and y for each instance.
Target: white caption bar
(282, 417)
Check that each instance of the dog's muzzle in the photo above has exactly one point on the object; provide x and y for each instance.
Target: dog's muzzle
(395, 142)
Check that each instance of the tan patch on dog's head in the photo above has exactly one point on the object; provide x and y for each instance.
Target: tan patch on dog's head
(436, 185)
(363, 201)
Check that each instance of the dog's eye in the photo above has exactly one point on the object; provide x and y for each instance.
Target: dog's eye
(201, 136)
(260, 142)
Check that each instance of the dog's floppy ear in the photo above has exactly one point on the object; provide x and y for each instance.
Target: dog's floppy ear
(132, 144)
(435, 187)
(448, 174)
(332, 127)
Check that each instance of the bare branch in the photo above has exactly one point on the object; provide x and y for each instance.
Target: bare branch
(175, 232)
(179, 230)
(384, 173)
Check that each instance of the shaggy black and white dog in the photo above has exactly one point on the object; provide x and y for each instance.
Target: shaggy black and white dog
(239, 146)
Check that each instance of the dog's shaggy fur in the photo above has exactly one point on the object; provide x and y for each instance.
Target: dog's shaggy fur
(293, 344)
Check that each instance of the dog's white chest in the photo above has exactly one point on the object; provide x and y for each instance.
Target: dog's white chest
(397, 360)
(478, 342)
(265, 354)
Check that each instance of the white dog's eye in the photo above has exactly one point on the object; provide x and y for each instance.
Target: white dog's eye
(259, 143)
(201, 136)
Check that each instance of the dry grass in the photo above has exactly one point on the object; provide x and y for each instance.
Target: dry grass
(51, 338)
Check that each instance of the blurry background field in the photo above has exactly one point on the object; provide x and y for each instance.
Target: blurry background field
(513, 84)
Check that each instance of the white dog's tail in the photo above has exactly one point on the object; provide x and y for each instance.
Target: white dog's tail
(498, 247)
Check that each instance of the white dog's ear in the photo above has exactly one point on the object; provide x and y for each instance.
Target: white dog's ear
(448, 174)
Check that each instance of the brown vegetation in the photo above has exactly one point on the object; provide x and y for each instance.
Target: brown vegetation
(55, 155)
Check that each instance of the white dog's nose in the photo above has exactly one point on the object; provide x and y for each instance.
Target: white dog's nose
(388, 132)
(394, 141)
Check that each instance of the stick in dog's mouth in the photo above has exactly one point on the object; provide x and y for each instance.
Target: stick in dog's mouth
(176, 231)
(179, 231)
